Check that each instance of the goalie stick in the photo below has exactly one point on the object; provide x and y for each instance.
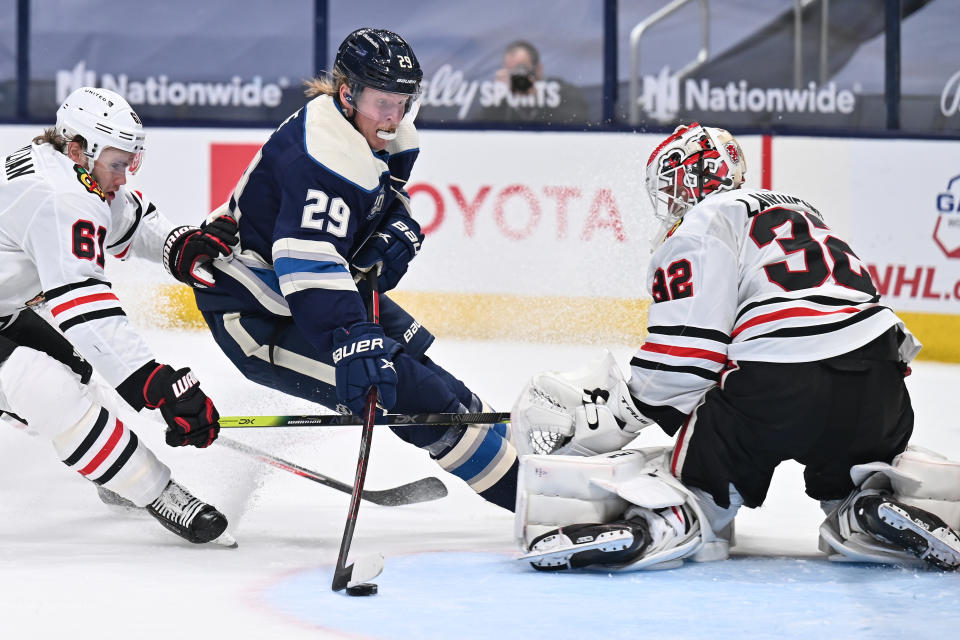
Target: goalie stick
(387, 419)
(422, 490)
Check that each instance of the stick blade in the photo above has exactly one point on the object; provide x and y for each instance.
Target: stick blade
(362, 570)
(422, 490)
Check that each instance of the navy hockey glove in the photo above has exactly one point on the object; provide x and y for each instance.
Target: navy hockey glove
(390, 250)
(364, 357)
(190, 415)
(188, 249)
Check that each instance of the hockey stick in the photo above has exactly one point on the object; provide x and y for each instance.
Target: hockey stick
(389, 419)
(422, 490)
(365, 568)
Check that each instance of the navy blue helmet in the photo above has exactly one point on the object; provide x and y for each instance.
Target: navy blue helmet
(379, 59)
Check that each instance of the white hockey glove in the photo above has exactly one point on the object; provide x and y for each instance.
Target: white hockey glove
(582, 412)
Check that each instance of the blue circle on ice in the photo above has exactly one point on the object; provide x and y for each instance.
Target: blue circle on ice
(479, 596)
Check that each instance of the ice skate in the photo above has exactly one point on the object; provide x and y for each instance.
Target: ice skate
(581, 545)
(920, 532)
(189, 517)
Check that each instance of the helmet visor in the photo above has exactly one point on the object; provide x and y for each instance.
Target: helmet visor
(136, 162)
(382, 106)
(129, 161)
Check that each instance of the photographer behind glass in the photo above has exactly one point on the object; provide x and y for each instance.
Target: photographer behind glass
(520, 92)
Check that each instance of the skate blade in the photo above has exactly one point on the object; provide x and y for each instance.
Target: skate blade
(558, 555)
(225, 540)
(942, 544)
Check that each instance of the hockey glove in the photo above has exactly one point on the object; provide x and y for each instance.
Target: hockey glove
(390, 250)
(190, 415)
(188, 249)
(364, 357)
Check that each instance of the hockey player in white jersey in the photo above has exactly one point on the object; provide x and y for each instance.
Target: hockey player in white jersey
(63, 207)
(767, 341)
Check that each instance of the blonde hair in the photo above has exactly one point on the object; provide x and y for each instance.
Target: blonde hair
(328, 85)
(51, 137)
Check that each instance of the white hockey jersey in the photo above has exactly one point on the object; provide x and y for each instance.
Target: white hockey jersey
(750, 275)
(55, 228)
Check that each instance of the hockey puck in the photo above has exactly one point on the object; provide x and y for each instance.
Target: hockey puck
(362, 589)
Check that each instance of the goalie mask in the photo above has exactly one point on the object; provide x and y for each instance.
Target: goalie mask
(692, 163)
(104, 119)
(381, 60)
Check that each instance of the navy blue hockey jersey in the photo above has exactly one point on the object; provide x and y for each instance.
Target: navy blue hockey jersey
(306, 203)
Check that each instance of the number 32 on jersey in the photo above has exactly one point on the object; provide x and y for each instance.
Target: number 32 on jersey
(673, 283)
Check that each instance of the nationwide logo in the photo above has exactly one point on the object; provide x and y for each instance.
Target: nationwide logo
(662, 99)
(946, 233)
(162, 91)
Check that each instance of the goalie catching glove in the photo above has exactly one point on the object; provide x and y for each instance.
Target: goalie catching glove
(188, 249)
(582, 412)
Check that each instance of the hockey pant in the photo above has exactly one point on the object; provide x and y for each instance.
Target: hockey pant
(272, 351)
(50, 397)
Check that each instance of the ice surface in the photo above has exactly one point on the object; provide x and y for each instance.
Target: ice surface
(73, 567)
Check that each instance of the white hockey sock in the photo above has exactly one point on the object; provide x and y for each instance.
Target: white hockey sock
(102, 449)
(86, 437)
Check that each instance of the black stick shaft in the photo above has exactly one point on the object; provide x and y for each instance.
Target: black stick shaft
(422, 490)
(341, 574)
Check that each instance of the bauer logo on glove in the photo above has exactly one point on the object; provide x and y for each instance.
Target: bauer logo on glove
(360, 346)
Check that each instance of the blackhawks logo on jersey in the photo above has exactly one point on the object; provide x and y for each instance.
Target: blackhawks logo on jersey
(88, 182)
(673, 229)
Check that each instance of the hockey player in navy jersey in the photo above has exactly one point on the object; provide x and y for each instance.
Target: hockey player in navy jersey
(64, 205)
(322, 202)
(767, 341)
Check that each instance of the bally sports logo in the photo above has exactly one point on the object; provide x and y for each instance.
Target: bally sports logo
(946, 233)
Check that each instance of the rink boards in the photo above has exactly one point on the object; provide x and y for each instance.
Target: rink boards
(546, 236)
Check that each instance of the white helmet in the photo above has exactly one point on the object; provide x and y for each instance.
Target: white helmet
(104, 119)
(688, 166)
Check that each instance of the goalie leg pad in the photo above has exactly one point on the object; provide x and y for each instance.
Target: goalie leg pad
(556, 492)
(905, 512)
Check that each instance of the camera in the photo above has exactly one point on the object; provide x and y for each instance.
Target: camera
(521, 79)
